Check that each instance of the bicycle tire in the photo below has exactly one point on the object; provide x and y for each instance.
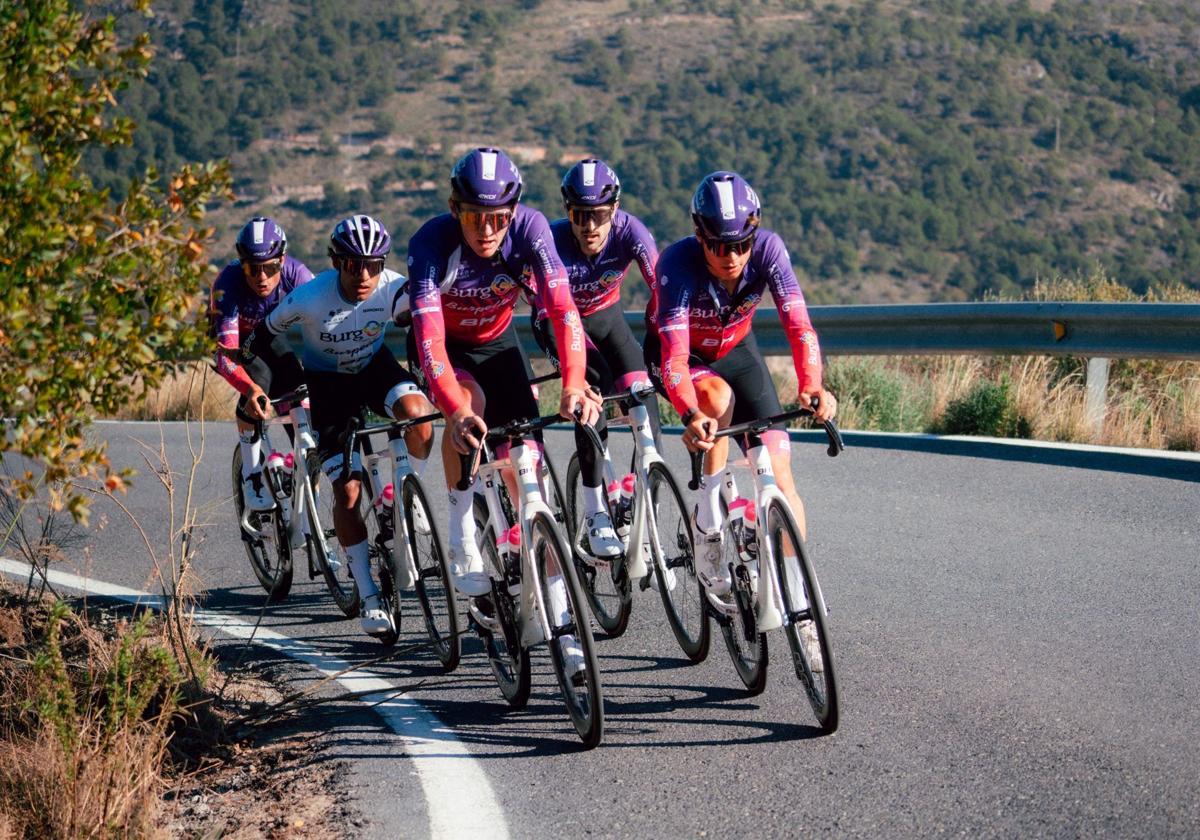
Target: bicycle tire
(685, 605)
(820, 686)
(585, 703)
(273, 569)
(508, 660)
(611, 602)
(319, 503)
(434, 589)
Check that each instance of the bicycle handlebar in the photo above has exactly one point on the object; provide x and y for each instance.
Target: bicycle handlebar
(515, 429)
(836, 444)
(356, 427)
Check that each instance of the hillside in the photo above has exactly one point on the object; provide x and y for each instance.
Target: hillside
(906, 151)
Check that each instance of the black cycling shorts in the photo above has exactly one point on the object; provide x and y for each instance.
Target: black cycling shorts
(743, 369)
(501, 369)
(336, 397)
(612, 350)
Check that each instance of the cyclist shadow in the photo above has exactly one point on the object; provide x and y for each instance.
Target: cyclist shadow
(297, 610)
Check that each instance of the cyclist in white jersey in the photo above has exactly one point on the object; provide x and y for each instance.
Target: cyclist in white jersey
(341, 316)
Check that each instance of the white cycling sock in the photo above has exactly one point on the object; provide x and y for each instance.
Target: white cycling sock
(593, 499)
(360, 567)
(560, 612)
(462, 520)
(708, 514)
(251, 443)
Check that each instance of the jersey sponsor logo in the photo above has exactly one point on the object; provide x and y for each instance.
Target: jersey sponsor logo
(502, 285)
(477, 322)
(370, 331)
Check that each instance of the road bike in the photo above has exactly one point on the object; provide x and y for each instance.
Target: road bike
(402, 538)
(302, 515)
(535, 597)
(655, 531)
(774, 582)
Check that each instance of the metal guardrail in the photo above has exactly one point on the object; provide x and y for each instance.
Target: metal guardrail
(1109, 330)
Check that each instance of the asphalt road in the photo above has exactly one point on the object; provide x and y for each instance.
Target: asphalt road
(1017, 647)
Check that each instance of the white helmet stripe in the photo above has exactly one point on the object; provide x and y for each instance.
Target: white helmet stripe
(259, 227)
(725, 199)
(589, 174)
(488, 160)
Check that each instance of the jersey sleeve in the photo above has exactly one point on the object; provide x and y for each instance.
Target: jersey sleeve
(645, 252)
(224, 314)
(674, 326)
(552, 291)
(426, 271)
(793, 315)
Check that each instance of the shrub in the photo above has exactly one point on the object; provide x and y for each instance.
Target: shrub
(985, 410)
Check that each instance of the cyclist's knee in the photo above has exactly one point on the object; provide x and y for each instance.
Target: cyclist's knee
(714, 396)
(345, 493)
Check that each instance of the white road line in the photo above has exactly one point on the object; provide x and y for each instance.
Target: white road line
(459, 797)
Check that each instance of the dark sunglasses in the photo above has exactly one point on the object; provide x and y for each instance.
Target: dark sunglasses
(737, 248)
(355, 266)
(480, 220)
(266, 269)
(600, 216)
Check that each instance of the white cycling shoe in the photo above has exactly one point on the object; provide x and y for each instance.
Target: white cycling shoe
(710, 566)
(812, 647)
(373, 617)
(466, 567)
(419, 522)
(256, 493)
(600, 538)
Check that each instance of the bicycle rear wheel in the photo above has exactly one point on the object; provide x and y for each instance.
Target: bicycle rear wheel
(581, 689)
(434, 591)
(746, 645)
(322, 541)
(807, 628)
(610, 600)
(508, 660)
(271, 558)
(672, 540)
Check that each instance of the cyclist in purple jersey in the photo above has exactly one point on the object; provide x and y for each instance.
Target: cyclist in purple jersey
(243, 294)
(598, 242)
(704, 357)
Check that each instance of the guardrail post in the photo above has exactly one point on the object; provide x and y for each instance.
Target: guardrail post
(1097, 393)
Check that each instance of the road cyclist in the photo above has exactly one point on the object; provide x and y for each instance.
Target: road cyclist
(467, 268)
(245, 291)
(342, 315)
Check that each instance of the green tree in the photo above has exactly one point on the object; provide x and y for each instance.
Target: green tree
(97, 297)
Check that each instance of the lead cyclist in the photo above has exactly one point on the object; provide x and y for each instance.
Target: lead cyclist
(711, 369)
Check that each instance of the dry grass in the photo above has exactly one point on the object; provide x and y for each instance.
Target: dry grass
(192, 391)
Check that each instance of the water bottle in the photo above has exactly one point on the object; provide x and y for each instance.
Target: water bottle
(383, 512)
(508, 549)
(743, 520)
(274, 468)
(285, 473)
(623, 515)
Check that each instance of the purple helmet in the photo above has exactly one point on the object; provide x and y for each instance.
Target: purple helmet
(486, 177)
(590, 183)
(261, 240)
(725, 208)
(359, 236)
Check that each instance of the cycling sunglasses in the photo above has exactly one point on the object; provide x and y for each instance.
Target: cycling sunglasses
(738, 247)
(266, 269)
(600, 216)
(480, 219)
(354, 266)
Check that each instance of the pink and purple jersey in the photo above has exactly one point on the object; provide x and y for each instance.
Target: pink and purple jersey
(596, 281)
(236, 310)
(456, 294)
(697, 316)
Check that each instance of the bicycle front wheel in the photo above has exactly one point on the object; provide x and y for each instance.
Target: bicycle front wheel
(434, 590)
(322, 540)
(610, 600)
(807, 626)
(572, 650)
(675, 565)
(502, 635)
(270, 558)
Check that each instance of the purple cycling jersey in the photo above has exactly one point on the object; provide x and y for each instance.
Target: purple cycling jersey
(596, 281)
(456, 294)
(236, 310)
(697, 316)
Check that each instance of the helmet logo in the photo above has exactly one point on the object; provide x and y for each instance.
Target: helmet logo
(259, 227)
(725, 199)
(589, 174)
(488, 161)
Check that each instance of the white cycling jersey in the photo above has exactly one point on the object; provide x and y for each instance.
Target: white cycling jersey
(339, 336)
